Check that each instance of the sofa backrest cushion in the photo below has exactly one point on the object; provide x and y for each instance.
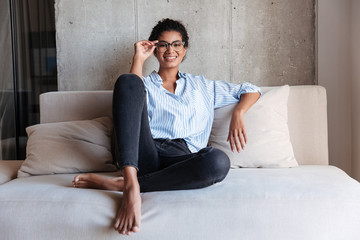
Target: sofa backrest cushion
(307, 116)
(307, 113)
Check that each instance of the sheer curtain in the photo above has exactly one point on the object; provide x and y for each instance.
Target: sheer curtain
(7, 126)
(33, 71)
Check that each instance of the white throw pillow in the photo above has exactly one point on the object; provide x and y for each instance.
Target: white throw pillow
(267, 131)
(68, 147)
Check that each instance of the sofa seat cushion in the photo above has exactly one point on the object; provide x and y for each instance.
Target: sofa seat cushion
(308, 202)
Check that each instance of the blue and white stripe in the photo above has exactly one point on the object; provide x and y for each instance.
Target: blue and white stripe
(189, 113)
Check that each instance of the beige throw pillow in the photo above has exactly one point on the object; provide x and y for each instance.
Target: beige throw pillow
(8, 170)
(68, 147)
(269, 143)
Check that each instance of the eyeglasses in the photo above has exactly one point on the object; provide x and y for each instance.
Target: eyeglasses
(176, 45)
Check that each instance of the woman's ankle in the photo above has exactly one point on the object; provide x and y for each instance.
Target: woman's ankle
(130, 178)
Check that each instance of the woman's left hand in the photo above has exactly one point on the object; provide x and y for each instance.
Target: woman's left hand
(237, 133)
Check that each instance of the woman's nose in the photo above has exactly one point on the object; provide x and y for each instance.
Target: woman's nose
(169, 48)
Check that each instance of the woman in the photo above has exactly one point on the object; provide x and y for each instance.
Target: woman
(162, 123)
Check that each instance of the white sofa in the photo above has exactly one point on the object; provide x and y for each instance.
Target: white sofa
(312, 201)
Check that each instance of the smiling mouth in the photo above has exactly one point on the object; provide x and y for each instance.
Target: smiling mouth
(170, 58)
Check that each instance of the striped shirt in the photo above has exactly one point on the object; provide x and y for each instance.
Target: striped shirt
(189, 113)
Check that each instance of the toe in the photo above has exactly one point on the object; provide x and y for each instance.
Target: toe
(80, 184)
(126, 227)
(117, 223)
(75, 183)
(135, 228)
(76, 178)
(121, 228)
(137, 222)
(129, 225)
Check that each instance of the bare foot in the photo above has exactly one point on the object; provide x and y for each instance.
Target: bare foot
(91, 180)
(128, 218)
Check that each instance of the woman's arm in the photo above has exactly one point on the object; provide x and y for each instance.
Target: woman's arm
(237, 132)
(143, 50)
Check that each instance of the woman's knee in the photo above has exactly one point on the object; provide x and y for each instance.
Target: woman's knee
(129, 81)
(217, 162)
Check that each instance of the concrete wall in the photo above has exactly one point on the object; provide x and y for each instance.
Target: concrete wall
(338, 69)
(266, 42)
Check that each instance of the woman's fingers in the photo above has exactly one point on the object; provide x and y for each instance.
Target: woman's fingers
(245, 136)
(145, 48)
(242, 141)
(237, 139)
(148, 42)
(145, 43)
(231, 140)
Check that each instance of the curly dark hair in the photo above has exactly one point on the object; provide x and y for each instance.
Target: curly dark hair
(167, 24)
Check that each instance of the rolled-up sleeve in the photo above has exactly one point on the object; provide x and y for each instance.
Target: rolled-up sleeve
(226, 93)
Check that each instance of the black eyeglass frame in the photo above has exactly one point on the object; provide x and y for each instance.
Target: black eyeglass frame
(171, 44)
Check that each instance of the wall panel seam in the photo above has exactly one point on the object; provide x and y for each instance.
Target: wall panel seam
(136, 15)
(230, 43)
(315, 7)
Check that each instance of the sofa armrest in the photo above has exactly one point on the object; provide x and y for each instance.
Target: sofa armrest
(9, 169)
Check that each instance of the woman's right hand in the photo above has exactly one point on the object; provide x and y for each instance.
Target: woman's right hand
(144, 49)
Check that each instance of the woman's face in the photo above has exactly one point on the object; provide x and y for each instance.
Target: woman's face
(170, 58)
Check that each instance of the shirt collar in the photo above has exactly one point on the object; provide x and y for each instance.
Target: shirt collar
(181, 75)
(157, 78)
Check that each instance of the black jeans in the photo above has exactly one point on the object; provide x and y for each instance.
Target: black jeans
(162, 164)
